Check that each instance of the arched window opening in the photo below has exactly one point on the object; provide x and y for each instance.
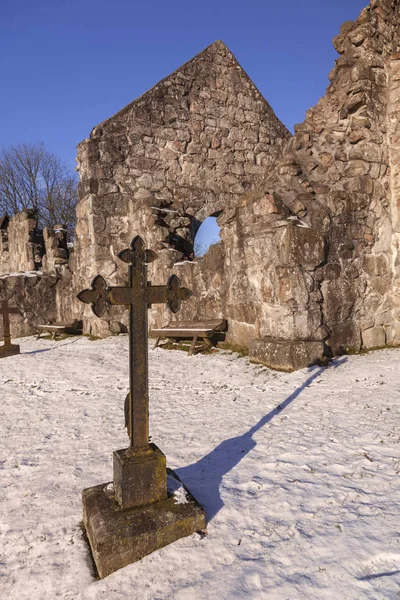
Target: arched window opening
(207, 234)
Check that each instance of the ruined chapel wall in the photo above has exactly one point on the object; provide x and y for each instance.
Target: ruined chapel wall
(19, 248)
(338, 176)
(334, 175)
(255, 277)
(25, 247)
(35, 274)
(393, 124)
(35, 298)
(334, 184)
(188, 148)
(270, 292)
(4, 250)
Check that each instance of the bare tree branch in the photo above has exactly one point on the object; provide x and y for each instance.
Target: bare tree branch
(33, 177)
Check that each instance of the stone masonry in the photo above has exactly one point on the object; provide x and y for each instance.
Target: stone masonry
(34, 272)
(188, 148)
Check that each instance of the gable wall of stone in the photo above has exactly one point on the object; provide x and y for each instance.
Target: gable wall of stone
(187, 149)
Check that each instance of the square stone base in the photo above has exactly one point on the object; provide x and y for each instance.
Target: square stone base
(8, 350)
(140, 476)
(120, 537)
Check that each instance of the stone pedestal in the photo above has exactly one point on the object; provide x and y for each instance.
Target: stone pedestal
(120, 537)
(8, 350)
(140, 476)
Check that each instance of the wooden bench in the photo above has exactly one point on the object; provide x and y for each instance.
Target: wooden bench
(73, 328)
(192, 330)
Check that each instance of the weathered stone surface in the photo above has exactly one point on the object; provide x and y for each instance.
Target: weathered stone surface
(21, 243)
(374, 337)
(139, 477)
(304, 246)
(55, 247)
(285, 355)
(345, 338)
(117, 327)
(35, 298)
(120, 537)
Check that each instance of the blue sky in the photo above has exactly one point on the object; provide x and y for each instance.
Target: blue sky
(68, 65)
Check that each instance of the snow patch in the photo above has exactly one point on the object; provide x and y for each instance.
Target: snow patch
(22, 274)
(176, 488)
(109, 489)
(302, 501)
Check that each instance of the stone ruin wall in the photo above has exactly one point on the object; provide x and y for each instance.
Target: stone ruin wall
(256, 278)
(336, 176)
(24, 247)
(34, 272)
(187, 149)
(393, 138)
(309, 256)
(19, 247)
(36, 298)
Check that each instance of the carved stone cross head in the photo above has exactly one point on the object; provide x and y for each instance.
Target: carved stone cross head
(97, 295)
(100, 295)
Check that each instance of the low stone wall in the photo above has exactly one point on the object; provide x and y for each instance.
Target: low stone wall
(34, 296)
(21, 243)
(25, 248)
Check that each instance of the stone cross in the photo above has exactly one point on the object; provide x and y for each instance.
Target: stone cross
(139, 295)
(138, 513)
(7, 349)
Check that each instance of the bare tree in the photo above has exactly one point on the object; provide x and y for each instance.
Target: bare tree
(33, 177)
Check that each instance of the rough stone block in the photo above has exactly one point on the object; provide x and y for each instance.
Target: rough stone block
(393, 334)
(374, 337)
(302, 245)
(345, 337)
(375, 264)
(120, 537)
(287, 355)
(140, 477)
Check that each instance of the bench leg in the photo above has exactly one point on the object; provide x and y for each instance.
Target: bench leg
(193, 345)
(38, 335)
(206, 345)
(157, 342)
(53, 337)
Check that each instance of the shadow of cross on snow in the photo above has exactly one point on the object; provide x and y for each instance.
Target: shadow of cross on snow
(204, 477)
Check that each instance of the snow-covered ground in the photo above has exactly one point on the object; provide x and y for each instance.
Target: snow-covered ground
(299, 473)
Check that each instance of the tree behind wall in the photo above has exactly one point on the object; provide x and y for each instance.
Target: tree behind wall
(33, 177)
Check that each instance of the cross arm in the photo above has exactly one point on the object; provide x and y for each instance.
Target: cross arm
(120, 295)
(171, 294)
